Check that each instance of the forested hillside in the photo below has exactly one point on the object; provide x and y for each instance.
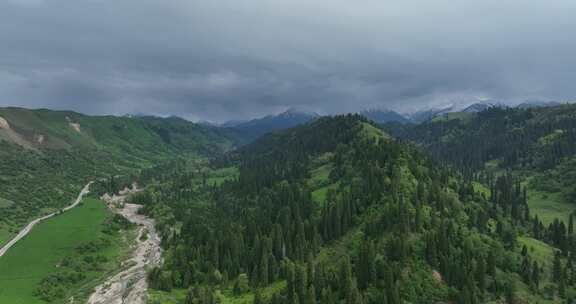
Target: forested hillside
(537, 144)
(47, 156)
(537, 138)
(336, 211)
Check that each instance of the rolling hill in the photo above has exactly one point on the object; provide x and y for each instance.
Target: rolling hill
(46, 156)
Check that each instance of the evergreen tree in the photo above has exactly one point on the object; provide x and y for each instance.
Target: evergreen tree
(301, 284)
(509, 292)
(346, 277)
(535, 278)
(557, 268)
(311, 299)
(258, 297)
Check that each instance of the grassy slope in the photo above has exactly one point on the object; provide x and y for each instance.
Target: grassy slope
(217, 177)
(319, 195)
(544, 255)
(371, 132)
(539, 251)
(54, 168)
(319, 181)
(141, 138)
(178, 296)
(547, 194)
(552, 191)
(38, 255)
(549, 206)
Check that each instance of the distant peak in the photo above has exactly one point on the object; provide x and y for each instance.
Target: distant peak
(481, 106)
(297, 112)
(378, 110)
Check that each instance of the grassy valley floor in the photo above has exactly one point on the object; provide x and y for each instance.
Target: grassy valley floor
(41, 254)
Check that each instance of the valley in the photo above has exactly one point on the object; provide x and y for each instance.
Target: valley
(334, 210)
(39, 177)
(130, 285)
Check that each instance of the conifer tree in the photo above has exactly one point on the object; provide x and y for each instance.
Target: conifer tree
(258, 297)
(535, 279)
(557, 268)
(301, 283)
(311, 299)
(346, 277)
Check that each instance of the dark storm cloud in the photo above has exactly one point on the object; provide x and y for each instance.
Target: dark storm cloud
(223, 59)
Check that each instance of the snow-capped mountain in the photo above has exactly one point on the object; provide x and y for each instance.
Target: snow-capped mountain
(481, 106)
(468, 106)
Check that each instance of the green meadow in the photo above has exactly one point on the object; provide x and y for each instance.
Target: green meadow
(226, 296)
(39, 254)
(219, 176)
(550, 206)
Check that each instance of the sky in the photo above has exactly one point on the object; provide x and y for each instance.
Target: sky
(218, 60)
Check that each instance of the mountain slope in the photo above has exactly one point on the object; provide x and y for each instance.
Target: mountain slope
(46, 156)
(537, 143)
(336, 211)
(535, 137)
(55, 130)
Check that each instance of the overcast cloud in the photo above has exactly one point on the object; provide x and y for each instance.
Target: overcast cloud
(233, 59)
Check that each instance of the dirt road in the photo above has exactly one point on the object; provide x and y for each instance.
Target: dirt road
(130, 286)
(33, 223)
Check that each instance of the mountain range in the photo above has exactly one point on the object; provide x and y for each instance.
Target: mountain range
(474, 208)
(251, 129)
